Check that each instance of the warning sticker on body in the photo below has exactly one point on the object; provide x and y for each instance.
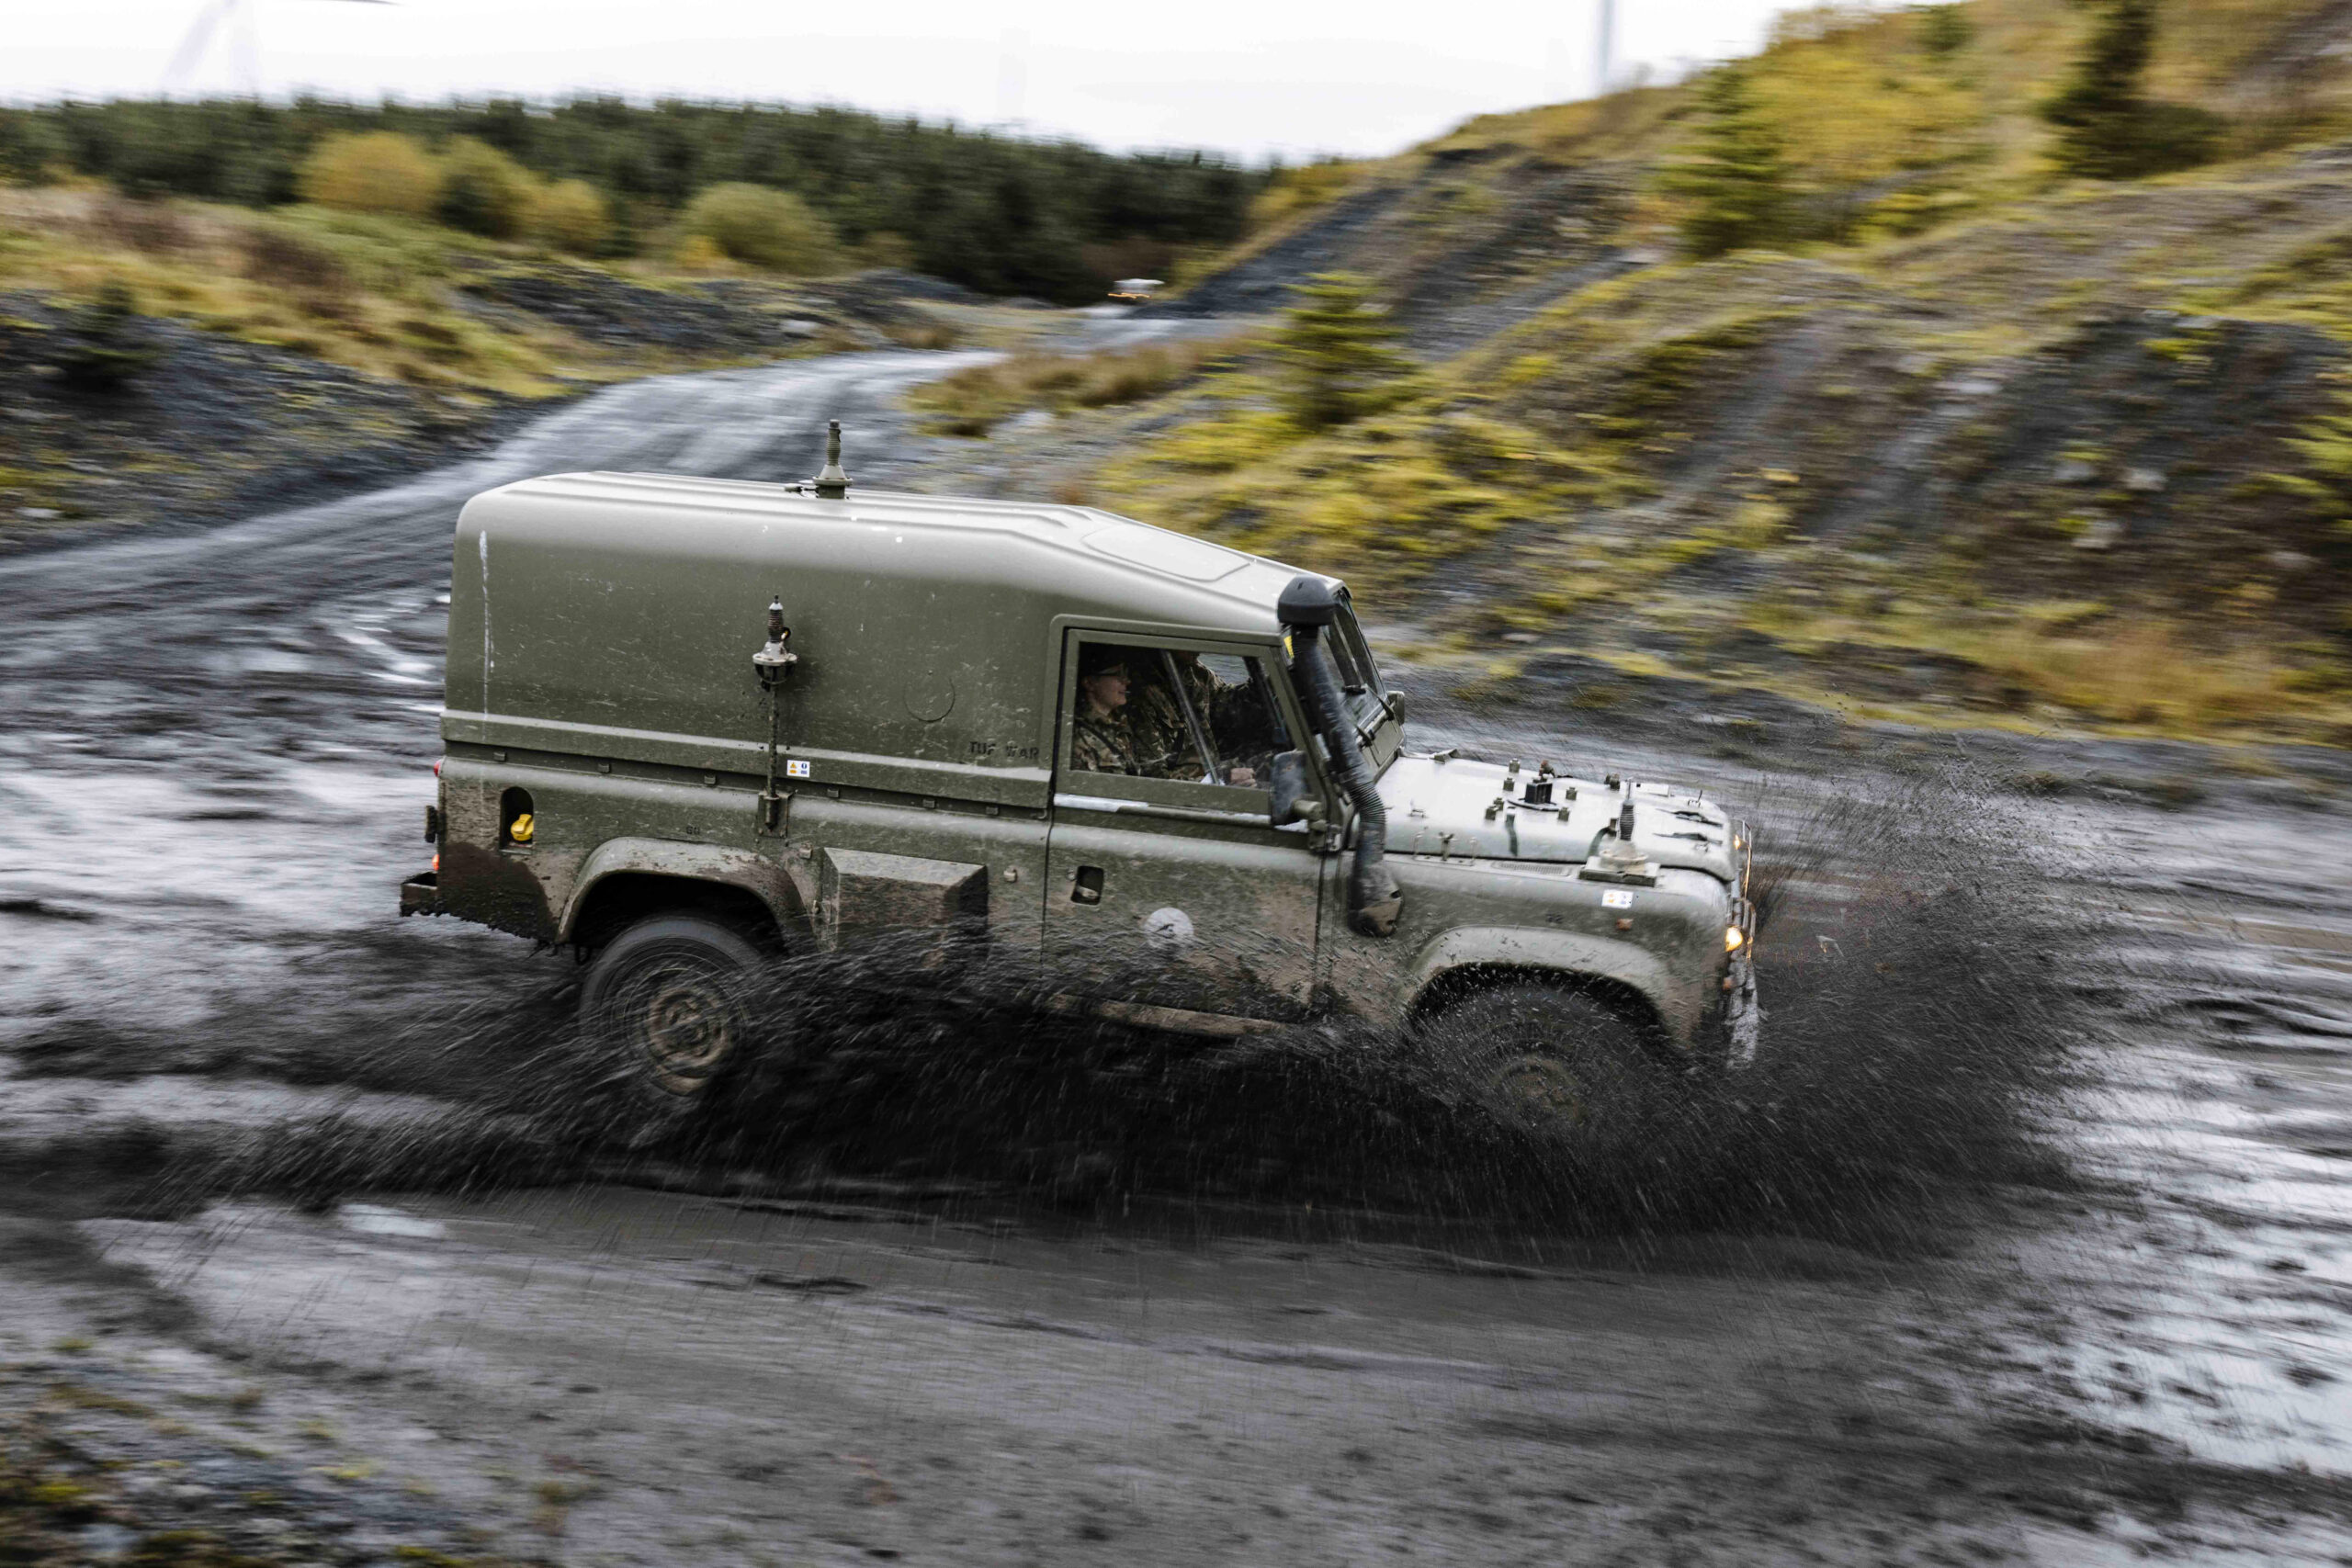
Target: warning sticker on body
(1619, 899)
(795, 769)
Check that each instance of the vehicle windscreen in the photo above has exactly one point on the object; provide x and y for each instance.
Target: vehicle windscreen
(1367, 696)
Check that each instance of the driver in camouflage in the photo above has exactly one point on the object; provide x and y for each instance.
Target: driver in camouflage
(1163, 742)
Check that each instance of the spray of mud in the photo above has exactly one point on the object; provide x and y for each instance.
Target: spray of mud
(1924, 996)
(1924, 1005)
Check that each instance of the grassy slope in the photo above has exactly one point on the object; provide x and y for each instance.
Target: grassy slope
(295, 345)
(1957, 471)
(377, 294)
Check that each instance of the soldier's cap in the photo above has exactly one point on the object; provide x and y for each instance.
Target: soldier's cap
(1097, 659)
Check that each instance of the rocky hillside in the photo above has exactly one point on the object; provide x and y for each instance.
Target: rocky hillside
(1970, 439)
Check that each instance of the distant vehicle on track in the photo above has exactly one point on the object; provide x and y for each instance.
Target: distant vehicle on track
(1163, 776)
(1137, 290)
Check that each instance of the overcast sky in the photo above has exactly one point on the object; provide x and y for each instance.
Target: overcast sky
(1273, 76)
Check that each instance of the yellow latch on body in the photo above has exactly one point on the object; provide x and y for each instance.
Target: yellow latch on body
(520, 831)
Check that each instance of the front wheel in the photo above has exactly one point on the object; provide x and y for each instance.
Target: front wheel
(1545, 1056)
(665, 1007)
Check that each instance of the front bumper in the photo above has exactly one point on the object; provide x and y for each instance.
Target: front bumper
(1743, 1021)
(1743, 1017)
(421, 894)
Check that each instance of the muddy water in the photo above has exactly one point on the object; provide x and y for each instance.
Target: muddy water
(219, 745)
(2198, 1288)
(211, 781)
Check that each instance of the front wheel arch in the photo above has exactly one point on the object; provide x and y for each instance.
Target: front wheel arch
(1455, 986)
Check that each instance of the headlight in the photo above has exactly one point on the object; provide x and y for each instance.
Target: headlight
(1733, 938)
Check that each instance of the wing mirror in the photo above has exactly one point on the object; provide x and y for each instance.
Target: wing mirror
(1291, 802)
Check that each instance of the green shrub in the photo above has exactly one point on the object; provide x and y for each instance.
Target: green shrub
(1338, 356)
(108, 350)
(571, 214)
(483, 191)
(2106, 131)
(1945, 30)
(1733, 172)
(381, 171)
(763, 227)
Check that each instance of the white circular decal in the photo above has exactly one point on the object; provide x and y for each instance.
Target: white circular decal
(1167, 928)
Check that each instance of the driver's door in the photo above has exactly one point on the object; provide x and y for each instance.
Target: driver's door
(1163, 888)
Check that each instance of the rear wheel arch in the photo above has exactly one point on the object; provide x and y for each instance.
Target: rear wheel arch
(620, 899)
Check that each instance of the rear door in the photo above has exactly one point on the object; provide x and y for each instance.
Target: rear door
(1166, 885)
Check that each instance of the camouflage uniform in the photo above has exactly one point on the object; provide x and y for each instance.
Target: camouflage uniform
(1163, 742)
(1101, 746)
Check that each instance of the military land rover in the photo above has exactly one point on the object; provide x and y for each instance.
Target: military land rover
(693, 723)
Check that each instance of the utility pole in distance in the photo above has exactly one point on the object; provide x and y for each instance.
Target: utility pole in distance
(1605, 65)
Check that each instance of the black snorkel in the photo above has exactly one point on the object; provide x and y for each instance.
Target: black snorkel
(1306, 606)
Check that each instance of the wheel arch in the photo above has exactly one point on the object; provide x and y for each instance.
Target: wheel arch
(1456, 985)
(626, 879)
(1636, 982)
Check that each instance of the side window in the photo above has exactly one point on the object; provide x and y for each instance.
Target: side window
(1244, 722)
(1151, 712)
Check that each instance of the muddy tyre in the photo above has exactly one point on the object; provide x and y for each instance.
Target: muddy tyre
(1545, 1057)
(665, 1010)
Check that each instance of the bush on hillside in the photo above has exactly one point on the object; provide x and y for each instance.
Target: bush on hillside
(759, 227)
(2106, 131)
(1338, 355)
(1945, 30)
(108, 348)
(380, 170)
(483, 191)
(571, 214)
(1734, 174)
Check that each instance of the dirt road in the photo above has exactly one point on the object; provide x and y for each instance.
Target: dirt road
(218, 752)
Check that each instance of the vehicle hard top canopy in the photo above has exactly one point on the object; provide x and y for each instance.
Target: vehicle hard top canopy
(593, 613)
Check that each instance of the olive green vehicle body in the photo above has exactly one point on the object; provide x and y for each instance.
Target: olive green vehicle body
(600, 675)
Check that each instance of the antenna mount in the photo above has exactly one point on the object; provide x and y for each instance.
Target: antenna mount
(832, 484)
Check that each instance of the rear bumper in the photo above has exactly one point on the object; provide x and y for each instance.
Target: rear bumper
(420, 895)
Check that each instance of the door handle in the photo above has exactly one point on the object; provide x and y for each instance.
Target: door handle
(1086, 884)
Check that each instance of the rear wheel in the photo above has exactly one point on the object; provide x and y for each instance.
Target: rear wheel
(665, 1006)
(1545, 1056)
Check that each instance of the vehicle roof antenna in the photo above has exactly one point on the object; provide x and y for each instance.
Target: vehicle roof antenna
(832, 484)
